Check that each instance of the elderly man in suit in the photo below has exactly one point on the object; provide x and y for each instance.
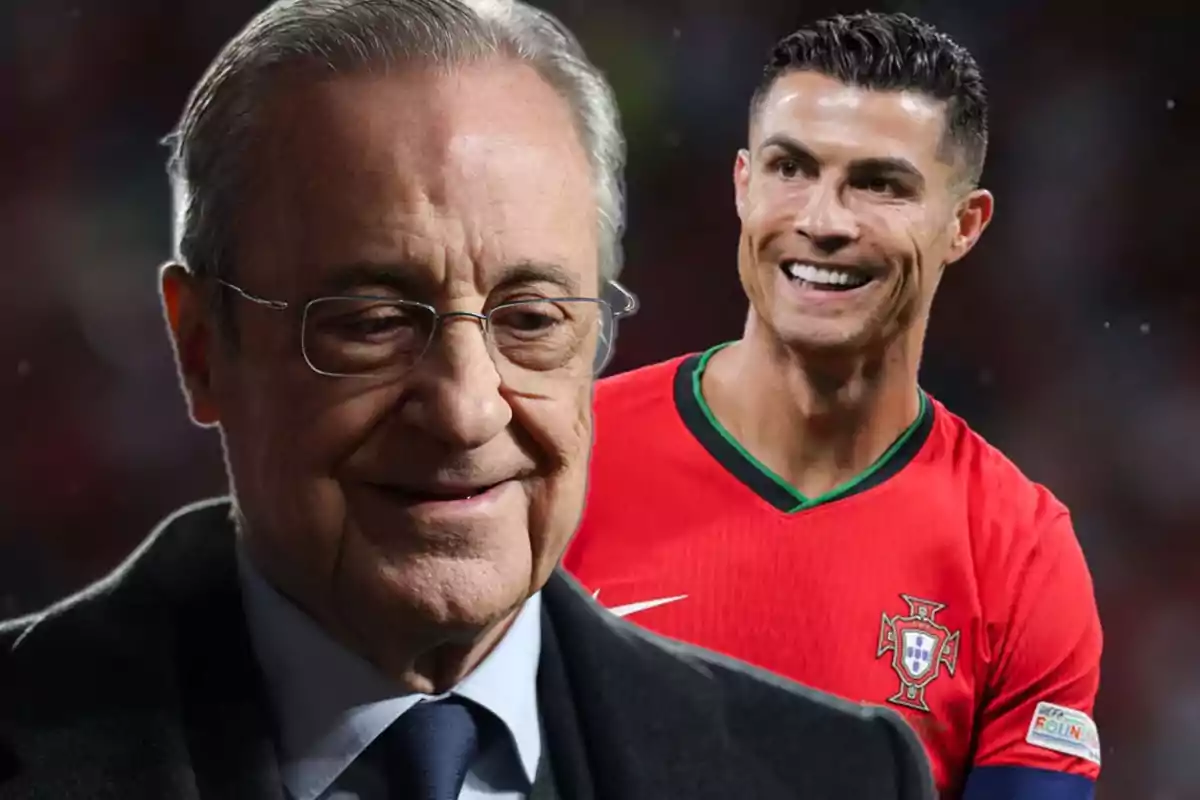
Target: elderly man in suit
(398, 228)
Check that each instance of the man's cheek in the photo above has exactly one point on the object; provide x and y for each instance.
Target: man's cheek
(583, 415)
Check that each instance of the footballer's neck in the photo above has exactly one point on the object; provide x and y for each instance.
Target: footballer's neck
(817, 421)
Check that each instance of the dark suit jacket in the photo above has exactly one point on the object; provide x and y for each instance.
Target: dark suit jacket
(145, 686)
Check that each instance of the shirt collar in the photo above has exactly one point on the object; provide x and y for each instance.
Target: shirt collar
(330, 703)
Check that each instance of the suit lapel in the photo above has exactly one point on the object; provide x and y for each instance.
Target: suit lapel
(223, 700)
(580, 703)
(567, 756)
(649, 724)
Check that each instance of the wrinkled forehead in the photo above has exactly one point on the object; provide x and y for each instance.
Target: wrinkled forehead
(846, 122)
(449, 178)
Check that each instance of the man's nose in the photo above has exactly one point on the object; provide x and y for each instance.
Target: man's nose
(457, 398)
(824, 219)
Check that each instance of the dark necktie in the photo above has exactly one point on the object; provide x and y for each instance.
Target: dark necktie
(428, 750)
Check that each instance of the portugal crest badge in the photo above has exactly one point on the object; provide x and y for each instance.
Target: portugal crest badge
(919, 648)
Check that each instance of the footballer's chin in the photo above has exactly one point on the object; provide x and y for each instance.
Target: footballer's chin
(823, 336)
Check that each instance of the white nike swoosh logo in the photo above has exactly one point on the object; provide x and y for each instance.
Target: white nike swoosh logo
(633, 608)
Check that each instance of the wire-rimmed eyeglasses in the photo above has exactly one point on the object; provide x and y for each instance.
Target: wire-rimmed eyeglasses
(366, 336)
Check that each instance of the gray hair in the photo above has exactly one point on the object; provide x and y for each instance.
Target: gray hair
(217, 127)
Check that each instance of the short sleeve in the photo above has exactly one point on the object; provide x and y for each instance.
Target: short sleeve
(1039, 703)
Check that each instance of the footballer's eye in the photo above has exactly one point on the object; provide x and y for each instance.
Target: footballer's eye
(883, 186)
(787, 168)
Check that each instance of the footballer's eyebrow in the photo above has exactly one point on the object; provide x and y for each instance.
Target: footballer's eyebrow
(792, 147)
(889, 167)
(863, 167)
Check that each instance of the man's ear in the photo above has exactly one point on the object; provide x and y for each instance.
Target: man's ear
(193, 337)
(972, 218)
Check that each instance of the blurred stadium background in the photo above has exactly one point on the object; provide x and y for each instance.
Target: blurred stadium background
(1070, 338)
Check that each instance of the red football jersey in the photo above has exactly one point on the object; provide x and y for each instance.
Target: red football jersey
(942, 582)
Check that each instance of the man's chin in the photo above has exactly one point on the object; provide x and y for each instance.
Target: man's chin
(445, 614)
(451, 596)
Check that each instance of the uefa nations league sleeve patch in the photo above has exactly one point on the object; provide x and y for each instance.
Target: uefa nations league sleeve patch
(1064, 730)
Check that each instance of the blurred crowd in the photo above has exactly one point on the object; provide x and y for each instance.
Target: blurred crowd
(1070, 338)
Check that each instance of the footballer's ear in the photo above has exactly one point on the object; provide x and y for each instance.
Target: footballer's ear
(972, 217)
(193, 337)
(741, 181)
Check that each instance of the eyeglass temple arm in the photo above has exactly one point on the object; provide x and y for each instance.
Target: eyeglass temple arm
(627, 304)
(253, 298)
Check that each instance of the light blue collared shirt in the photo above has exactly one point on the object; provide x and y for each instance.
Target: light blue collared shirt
(330, 703)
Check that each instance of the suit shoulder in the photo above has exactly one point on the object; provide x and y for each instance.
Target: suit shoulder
(719, 727)
(13, 629)
(87, 627)
(781, 720)
(753, 689)
(116, 616)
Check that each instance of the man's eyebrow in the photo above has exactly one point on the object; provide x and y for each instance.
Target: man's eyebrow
(397, 277)
(525, 272)
(409, 281)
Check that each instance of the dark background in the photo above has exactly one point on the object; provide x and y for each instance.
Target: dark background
(1070, 337)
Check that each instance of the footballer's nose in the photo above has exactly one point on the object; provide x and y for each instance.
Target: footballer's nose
(824, 220)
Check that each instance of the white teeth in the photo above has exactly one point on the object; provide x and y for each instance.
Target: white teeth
(810, 273)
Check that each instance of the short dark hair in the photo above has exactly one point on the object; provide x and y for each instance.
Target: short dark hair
(892, 52)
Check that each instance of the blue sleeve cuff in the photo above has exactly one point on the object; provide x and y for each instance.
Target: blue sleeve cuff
(1026, 783)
